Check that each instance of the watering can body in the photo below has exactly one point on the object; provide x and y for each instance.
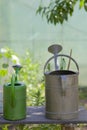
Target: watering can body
(61, 92)
(14, 101)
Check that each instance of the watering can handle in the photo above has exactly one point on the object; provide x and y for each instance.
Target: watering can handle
(13, 91)
(58, 56)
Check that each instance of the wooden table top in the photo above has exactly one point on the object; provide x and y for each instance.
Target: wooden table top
(36, 115)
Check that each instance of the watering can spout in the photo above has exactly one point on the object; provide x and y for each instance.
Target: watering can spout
(55, 49)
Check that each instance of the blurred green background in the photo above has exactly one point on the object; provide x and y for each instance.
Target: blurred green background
(21, 29)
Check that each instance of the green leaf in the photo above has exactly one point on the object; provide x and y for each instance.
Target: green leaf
(49, 67)
(3, 72)
(1, 56)
(39, 9)
(62, 64)
(8, 55)
(85, 5)
(81, 4)
(5, 65)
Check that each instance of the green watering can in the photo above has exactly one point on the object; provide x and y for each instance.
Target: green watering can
(14, 98)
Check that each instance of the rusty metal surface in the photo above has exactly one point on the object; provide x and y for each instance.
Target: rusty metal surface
(36, 115)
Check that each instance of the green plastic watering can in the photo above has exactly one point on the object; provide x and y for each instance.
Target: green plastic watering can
(14, 98)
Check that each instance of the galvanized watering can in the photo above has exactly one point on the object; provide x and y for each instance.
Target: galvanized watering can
(14, 98)
(61, 89)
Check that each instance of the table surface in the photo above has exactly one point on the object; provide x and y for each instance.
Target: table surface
(36, 115)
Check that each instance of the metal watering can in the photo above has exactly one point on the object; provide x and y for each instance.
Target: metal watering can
(14, 98)
(61, 89)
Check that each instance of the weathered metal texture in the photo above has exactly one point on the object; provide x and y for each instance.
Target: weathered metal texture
(61, 95)
(61, 90)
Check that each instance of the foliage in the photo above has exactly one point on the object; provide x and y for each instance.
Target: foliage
(38, 127)
(33, 80)
(62, 64)
(32, 127)
(58, 11)
(35, 84)
(4, 127)
(7, 59)
(83, 92)
(30, 74)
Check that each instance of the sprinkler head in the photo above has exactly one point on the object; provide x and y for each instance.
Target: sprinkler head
(55, 48)
(17, 68)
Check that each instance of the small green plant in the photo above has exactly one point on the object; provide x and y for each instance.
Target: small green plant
(35, 84)
(39, 127)
(4, 127)
(7, 58)
(62, 64)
